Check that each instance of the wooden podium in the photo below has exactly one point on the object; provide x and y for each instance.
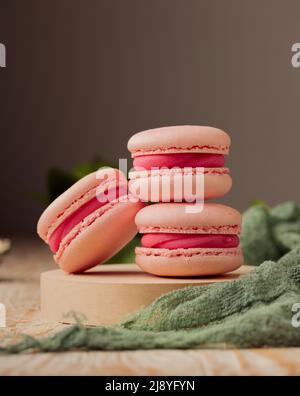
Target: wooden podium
(109, 293)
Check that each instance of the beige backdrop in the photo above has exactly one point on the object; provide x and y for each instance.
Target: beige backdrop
(82, 76)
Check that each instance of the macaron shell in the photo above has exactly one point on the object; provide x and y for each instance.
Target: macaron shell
(102, 239)
(183, 138)
(195, 263)
(78, 194)
(212, 218)
(216, 185)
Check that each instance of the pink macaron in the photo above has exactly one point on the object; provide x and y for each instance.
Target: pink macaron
(90, 222)
(178, 241)
(171, 158)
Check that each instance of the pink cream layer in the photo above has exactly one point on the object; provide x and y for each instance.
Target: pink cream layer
(81, 213)
(187, 241)
(182, 160)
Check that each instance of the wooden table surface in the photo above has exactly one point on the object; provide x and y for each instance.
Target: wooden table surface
(19, 291)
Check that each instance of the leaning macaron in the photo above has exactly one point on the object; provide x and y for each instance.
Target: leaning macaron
(90, 222)
(179, 240)
(162, 155)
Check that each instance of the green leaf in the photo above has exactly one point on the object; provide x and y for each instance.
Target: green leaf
(85, 168)
(58, 181)
(259, 202)
(126, 255)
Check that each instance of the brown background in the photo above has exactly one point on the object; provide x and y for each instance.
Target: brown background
(82, 76)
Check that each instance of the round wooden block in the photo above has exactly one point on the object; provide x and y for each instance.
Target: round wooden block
(108, 293)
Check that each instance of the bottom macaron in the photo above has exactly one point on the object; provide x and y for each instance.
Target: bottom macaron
(179, 242)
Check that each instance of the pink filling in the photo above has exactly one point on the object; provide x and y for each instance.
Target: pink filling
(75, 218)
(186, 241)
(182, 160)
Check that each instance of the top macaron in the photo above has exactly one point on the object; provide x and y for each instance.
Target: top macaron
(179, 139)
(186, 150)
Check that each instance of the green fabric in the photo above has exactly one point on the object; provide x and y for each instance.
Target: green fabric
(252, 311)
(268, 233)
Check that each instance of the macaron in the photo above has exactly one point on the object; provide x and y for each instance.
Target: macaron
(178, 241)
(91, 221)
(161, 156)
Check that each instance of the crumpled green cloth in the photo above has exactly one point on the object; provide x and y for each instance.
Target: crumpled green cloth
(255, 310)
(268, 233)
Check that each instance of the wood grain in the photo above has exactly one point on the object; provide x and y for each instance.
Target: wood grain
(107, 294)
(19, 291)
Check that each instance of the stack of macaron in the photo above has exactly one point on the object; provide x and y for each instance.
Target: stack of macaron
(189, 238)
(183, 234)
